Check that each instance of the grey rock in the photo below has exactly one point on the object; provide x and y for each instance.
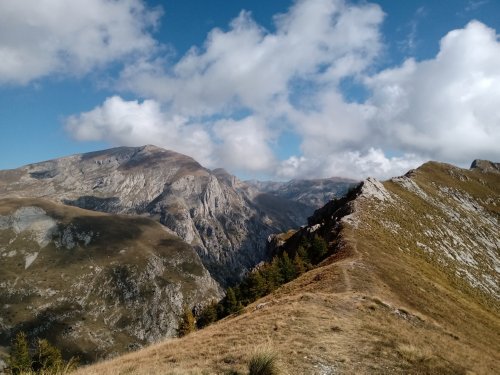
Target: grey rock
(485, 166)
(225, 220)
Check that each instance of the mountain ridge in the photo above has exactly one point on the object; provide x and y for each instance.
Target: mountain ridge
(392, 298)
(219, 215)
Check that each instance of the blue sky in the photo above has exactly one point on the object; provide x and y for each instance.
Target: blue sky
(266, 89)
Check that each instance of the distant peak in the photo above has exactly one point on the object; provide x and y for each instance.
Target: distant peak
(151, 148)
(220, 171)
(485, 166)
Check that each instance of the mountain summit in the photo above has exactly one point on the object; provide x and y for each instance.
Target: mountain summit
(226, 221)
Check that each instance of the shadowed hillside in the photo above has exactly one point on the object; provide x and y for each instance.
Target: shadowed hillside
(94, 284)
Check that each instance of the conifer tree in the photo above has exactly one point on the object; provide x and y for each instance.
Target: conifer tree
(20, 359)
(275, 277)
(302, 252)
(186, 322)
(319, 249)
(230, 302)
(299, 265)
(256, 286)
(47, 357)
(287, 269)
(208, 315)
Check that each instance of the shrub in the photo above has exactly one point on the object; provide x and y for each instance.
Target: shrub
(264, 363)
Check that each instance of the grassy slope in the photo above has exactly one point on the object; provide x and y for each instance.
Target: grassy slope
(71, 295)
(371, 308)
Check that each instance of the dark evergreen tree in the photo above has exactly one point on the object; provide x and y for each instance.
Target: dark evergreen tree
(287, 269)
(47, 358)
(230, 302)
(302, 252)
(256, 285)
(319, 248)
(208, 315)
(275, 279)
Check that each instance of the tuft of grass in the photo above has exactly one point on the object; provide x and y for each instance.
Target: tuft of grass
(263, 363)
(413, 354)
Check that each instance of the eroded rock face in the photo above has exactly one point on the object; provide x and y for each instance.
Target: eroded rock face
(485, 166)
(225, 220)
(96, 285)
(372, 188)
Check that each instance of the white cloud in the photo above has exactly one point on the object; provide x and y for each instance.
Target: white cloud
(353, 164)
(226, 104)
(239, 145)
(474, 5)
(131, 123)
(244, 145)
(248, 66)
(250, 69)
(445, 108)
(43, 37)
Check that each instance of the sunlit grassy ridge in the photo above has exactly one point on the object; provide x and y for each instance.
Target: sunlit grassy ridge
(396, 296)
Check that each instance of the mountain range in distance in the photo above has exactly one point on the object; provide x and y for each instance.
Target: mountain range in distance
(100, 252)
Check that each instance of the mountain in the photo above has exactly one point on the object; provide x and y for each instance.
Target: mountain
(313, 193)
(411, 287)
(94, 284)
(226, 221)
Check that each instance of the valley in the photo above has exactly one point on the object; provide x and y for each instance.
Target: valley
(389, 299)
(409, 283)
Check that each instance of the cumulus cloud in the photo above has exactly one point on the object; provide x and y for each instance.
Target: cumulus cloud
(43, 37)
(244, 145)
(352, 164)
(445, 108)
(249, 69)
(248, 66)
(132, 123)
(228, 102)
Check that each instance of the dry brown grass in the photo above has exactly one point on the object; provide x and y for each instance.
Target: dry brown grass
(318, 323)
(369, 309)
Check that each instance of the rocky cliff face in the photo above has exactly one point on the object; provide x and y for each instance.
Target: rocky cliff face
(485, 166)
(312, 193)
(225, 220)
(95, 284)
